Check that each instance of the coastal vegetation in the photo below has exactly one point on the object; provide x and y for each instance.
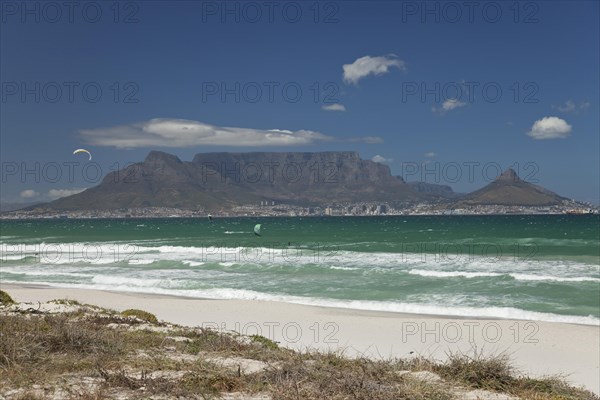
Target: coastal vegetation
(5, 298)
(64, 349)
(143, 315)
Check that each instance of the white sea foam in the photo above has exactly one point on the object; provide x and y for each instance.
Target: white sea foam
(519, 277)
(192, 263)
(128, 283)
(69, 253)
(343, 268)
(141, 261)
(106, 265)
(12, 257)
(452, 274)
(150, 286)
(436, 264)
(525, 277)
(29, 272)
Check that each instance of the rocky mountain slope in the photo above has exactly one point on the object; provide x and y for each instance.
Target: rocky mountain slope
(510, 190)
(221, 180)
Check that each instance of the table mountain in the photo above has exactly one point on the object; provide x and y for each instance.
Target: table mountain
(223, 180)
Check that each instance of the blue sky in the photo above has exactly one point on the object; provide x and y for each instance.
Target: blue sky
(184, 77)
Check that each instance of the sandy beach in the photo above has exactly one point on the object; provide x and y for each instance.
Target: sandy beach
(536, 348)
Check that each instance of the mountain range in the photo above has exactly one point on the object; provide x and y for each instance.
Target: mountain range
(216, 181)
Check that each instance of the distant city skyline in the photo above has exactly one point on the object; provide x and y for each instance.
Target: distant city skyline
(449, 94)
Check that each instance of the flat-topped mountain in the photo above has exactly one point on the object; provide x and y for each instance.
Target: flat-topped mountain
(223, 180)
(510, 190)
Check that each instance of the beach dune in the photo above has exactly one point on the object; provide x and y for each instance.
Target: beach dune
(535, 348)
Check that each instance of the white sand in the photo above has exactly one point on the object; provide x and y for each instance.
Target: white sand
(536, 348)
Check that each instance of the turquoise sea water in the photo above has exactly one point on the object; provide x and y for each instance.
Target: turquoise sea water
(531, 267)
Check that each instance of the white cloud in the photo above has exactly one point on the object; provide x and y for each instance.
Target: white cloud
(550, 128)
(368, 139)
(381, 159)
(567, 107)
(334, 107)
(29, 194)
(368, 65)
(449, 105)
(571, 106)
(430, 154)
(54, 194)
(165, 132)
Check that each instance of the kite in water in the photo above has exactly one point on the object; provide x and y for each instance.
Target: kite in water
(257, 229)
(83, 151)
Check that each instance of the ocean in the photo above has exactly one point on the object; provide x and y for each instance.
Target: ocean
(543, 267)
